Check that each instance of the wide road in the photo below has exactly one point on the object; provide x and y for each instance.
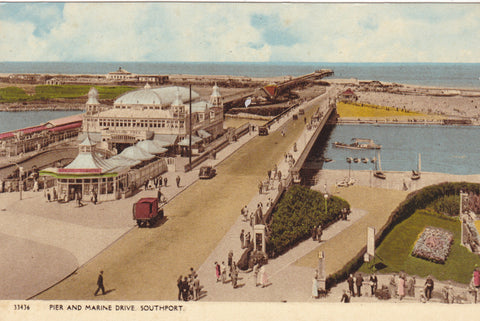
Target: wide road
(145, 263)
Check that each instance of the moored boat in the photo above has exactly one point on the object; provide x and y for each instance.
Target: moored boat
(358, 143)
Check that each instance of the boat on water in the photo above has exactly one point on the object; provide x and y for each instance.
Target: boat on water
(358, 143)
(356, 160)
(349, 160)
(364, 160)
(378, 173)
(416, 173)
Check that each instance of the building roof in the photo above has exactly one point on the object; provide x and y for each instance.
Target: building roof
(151, 147)
(168, 139)
(95, 137)
(120, 70)
(348, 92)
(93, 96)
(199, 107)
(65, 120)
(186, 140)
(134, 152)
(90, 161)
(203, 133)
(65, 127)
(158, 96)
(136, 114)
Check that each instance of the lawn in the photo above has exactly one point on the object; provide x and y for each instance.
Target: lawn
(395, 250)
(372, 111)
(43, 92)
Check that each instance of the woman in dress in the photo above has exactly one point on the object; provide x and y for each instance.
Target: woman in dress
(401, 287)
(315, 287)
(264, 276)
(217, 271)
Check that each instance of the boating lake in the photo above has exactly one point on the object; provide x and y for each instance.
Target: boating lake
(444, 149)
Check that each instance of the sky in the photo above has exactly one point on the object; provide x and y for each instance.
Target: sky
(240, 32)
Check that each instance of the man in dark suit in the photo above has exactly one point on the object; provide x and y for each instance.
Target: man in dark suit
(100, 284)
(351, 282)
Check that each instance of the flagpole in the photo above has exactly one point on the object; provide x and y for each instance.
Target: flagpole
(190, 138)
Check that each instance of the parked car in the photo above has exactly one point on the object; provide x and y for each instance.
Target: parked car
(263, 131)
(206, 172)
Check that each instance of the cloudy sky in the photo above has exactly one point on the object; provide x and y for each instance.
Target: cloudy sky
(240, 32)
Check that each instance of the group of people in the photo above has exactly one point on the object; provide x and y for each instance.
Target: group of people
(289, 159)
(245, 239)
(155, 182)
(317, 232)
(222, 269)
(401, 287)
(189, 287)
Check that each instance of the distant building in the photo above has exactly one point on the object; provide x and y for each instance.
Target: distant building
(120, 74)
(161, 114)
(53, 81)
(33, 138)
(348, 96)
(126, 77)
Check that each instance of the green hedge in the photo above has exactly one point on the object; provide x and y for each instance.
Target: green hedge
(297, 213)
(417, 200)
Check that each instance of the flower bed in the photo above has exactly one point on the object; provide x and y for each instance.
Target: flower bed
(433, 244)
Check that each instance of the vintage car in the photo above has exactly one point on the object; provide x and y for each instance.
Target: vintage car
(206, 172)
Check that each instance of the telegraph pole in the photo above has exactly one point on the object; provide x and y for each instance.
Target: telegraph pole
(190, 138)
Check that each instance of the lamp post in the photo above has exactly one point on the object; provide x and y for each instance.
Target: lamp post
(326, 197)
(20, 186)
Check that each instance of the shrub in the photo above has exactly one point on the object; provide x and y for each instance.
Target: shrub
(298, 212)
(448, 205)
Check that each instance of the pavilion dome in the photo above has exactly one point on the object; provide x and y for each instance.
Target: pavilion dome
(145, 96)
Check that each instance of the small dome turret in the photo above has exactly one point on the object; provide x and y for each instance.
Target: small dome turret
(93, 96)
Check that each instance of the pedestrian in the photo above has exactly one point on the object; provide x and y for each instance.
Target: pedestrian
(218, 272)
(242, 239)
(260, 187)
(196, 288)
(411, 287)
(264, 276)
(234, 276)
(392, 286)
(79, 199)
(165, 180)
(178, 181)
(223, 269)
(401, 287)
(359, 283)
(247, 240)
(279, 174)
(179, 285)
(94, 196)
(269, 173)
(373, 283)
(319, 233)
(160, 180)
(252, 219)
(192, 274)
(230, 261)
(429, 285)
(185, 289)
(100, 284)
(35, 186)
(314, 233)
(146, 184)
(476, 281)
(315, 287)
(159, 194)
(351, 282)
(255, 274)
(345, 297)
(55, 196)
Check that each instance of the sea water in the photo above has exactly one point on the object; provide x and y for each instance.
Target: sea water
(444, 149)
